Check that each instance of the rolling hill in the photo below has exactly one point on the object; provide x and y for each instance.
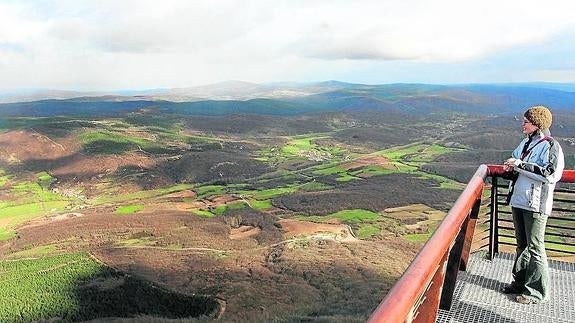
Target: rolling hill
(297, 99)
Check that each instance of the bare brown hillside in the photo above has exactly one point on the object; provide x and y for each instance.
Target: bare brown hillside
(302, 271)
(62, 157)
(24, 145)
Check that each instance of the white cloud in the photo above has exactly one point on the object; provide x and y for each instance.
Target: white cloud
(433, 30)
(145, 43)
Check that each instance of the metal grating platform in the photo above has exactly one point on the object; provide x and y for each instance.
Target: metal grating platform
(477, 297)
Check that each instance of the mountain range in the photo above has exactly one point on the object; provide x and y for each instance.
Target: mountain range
(235, 97)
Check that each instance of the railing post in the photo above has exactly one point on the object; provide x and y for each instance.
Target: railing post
(459, 256)
(493, 220)
(453, 268)
(473, 217)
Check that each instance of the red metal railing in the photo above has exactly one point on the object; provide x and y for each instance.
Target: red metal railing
(429, 281)
(497, 170)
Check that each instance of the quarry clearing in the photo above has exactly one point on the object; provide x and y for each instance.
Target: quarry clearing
(338, 232)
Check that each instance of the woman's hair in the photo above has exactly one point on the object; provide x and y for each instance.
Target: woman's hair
(540, 116)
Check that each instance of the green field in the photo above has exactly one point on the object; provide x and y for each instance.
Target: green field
(221, 209)
(416, 154)
(273, 192)
(260, 204)
(296, 146)
(129, 209)
(13, 216)
(409, 158)
(366, 231)
(346, 216)
(302, 146)
(29, 201)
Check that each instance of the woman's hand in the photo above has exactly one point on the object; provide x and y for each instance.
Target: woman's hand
(509, 164)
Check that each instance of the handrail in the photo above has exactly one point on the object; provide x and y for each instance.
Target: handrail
(400, 303)
(497, 170)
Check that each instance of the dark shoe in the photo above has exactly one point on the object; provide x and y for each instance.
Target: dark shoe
(511, 289)
(524, 300)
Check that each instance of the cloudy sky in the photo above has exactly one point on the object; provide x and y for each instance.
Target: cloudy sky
(142, 44)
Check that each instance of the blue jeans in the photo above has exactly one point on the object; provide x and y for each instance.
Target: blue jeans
(530, 268)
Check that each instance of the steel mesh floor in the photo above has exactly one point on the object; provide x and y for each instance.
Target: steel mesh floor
(477, 297)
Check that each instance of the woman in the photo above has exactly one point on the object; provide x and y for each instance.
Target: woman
(537, 164)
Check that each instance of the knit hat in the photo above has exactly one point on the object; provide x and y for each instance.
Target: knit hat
(540, 116)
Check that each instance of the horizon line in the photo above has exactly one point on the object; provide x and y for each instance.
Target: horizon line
(29, 90)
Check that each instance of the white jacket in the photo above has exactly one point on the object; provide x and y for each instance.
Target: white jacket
(538, 172)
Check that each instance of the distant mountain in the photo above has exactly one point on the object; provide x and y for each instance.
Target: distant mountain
(44, 94)
(298, 98)
(567, 87)
(229, 90)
